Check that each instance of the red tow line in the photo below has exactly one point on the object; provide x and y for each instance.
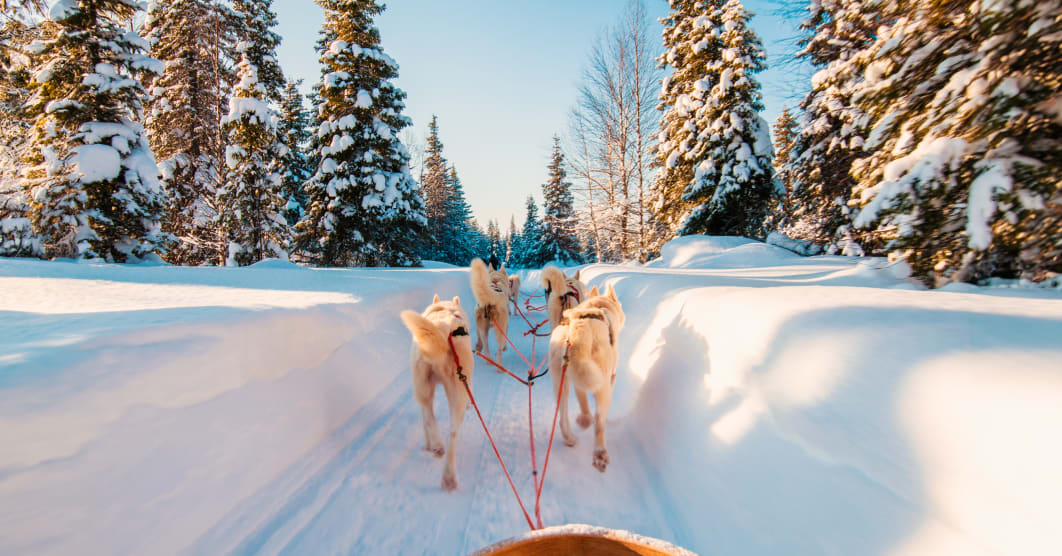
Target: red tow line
(471, 398)
(533, 373)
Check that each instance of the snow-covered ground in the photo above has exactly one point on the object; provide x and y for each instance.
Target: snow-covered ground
(765, 403)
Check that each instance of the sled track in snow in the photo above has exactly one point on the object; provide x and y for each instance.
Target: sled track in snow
(350, 492)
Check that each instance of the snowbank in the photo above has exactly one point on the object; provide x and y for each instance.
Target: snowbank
(765, 403)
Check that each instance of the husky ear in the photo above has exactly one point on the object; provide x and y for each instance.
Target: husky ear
(594, 292)
(503, 270)
(490, 268)
(457, 300)
(436, 300)
(612, 293)
(577, 274)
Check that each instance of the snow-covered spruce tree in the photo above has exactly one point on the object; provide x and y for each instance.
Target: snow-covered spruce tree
(963, 167)
(715, 150)
(786, 131)
(495, 249)
(459, 229)
(17, 238)
(531, 254)
(95, 182)
(832, 127)
(364, 208)
(251, 200)
(558, 221)
(194, 39)
(511, 239)
(294, 132)
(438, 197)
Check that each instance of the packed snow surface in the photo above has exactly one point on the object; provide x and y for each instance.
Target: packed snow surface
(765, 403)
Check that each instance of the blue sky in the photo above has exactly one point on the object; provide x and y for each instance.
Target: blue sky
(501, 76)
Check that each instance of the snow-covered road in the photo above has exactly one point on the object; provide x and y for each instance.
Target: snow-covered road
(765, 403)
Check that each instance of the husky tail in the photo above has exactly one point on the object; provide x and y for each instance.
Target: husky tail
(480, 281)
(431, 341)
(586, 326)
(553, 280)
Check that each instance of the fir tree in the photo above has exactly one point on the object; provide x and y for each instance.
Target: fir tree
(364, 206)
(294, 132)
(559, 239)
(459, 228)
(438, 196)
(252, 200)
(832, 129)
(17, 238)
(786, 130)
(963, 171)
(512, 239)
(189, 100)
(95, 182)
(494, 242)
(530, 253)
(715, 150)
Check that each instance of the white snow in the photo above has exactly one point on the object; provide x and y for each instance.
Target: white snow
(96, 163)
(765, 403)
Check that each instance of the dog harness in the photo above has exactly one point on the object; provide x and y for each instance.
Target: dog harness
(598, 316)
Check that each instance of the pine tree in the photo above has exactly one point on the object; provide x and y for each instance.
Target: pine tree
(715, 150)
(364, 206)
(294, 132)
(96, 190)
(252, 199)
(512, 241)
(786, 130)
(459, 227)
(494, 242)
(832, 125)
(530, 253)
(963, 167)
(17, 238)
(194, 38)
(438, 196)
(558, 221)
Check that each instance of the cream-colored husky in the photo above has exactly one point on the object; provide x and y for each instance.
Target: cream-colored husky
(587, 338)
(514, 292)
(562, 293)
(432, 362)
(491, 289)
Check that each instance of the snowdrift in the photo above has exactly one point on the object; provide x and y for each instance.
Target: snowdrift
(765, 403)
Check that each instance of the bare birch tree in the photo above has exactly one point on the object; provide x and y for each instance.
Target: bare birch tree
(612, 138)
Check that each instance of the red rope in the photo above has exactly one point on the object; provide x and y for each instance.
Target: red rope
(464, 380)
(532, 372)
(500, 367)
(549, 447)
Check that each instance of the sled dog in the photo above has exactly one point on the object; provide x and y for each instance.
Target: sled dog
(586, 337)
(514, 292)
(432, 363)
(491, 289)
(562, 293)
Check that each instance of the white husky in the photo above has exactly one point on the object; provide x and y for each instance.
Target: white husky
(432, 362)
(562, 293)
(491, 289)
(586, 339)
(514, 292)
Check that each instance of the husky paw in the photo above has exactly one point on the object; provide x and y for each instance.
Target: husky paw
(479, 346)
(437, 451)
(584, 420)
(569, 441)
(601, 460)
(449, 483)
